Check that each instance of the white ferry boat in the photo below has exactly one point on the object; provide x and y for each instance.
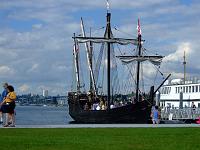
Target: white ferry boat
(172, 90)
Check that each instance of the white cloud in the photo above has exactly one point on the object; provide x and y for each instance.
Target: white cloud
(177, 75)
(178, 54)
(62, 67)
(6, 71)
(34, 68)
(51, 10)
(24, 88)
(37, 26)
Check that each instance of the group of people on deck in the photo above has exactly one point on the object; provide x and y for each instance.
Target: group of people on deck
(102, 105)
(7, 105)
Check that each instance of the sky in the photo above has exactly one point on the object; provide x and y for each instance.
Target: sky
(36, 44)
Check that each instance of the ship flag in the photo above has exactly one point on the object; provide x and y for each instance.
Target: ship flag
(139, 28)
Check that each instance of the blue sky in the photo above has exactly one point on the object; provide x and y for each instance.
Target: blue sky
(36, 43)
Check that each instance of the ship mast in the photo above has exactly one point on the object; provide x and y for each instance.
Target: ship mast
(91, 64)
(184, 64)
(108, 29)
(108, 36)
(138, 63)
(76, 59)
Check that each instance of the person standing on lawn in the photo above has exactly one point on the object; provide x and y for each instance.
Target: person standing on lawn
(2, 97)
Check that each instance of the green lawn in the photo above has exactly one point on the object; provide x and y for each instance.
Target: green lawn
(100, 139)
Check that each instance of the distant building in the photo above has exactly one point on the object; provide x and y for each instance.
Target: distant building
(45, 93)
(61, 100)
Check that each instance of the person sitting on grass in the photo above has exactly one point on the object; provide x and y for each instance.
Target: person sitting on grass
(8, 106)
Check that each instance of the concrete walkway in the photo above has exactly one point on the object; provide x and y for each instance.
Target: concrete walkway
(107, 126)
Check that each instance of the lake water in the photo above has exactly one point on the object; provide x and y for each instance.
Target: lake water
(40, 115)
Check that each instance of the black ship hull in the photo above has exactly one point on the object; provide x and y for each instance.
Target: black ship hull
(130, 113)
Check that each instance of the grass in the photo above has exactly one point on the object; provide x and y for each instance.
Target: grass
(100, 139)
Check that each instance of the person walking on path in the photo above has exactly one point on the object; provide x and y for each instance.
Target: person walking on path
(2, 97)
(155, 115)
(8, 106)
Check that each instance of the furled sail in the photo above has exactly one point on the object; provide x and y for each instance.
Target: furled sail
(156, 60)
(88, 51)
(120, 41)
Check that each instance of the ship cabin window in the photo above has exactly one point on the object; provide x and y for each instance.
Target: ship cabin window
(198, 105)
(166, 90)
(196, 88)
(183, 89)
(169, 90)
(189, 89)
(186, 89)
(192, 89)
(176, 89)
(199, 88)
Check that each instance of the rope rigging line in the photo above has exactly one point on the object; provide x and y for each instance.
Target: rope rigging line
(142, 77)
(155, 77)
(98, 63)
(150, 52)
(157, 68)
(115, 80)
(104, 67)
(93, 31)
(129, 69)
(82, 84)
(73, 84)
(123, 32)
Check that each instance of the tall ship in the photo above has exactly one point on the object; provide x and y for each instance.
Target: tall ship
(103, 96)
(186, 89)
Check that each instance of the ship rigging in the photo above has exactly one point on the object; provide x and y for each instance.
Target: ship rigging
(105, 81)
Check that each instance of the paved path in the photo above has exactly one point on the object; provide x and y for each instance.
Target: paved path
(108, 126)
